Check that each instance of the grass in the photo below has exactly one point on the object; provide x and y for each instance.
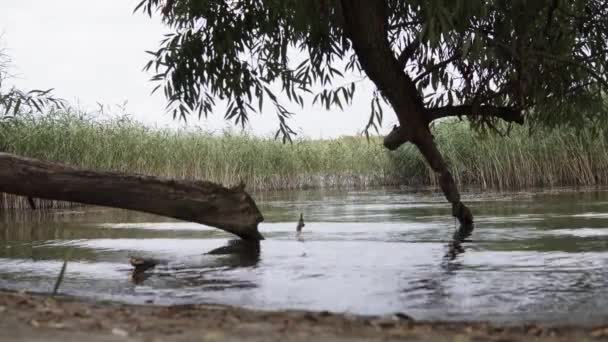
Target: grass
(227, 158)
(546, 158)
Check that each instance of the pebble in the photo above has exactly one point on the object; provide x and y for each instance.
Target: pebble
(213, 336)
(597, 333)
(119, 332)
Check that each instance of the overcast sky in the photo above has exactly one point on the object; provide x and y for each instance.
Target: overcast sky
(94, 51)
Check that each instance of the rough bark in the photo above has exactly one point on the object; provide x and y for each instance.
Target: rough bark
(365, 23)
(229, 209)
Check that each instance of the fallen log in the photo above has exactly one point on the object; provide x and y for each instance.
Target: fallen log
(229, 209)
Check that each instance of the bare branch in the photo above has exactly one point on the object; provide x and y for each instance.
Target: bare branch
(437, 66)
(398, 136)
(408, 52)
(509, 114)
(405, 24)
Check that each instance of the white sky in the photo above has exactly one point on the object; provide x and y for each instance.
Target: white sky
(94, 51)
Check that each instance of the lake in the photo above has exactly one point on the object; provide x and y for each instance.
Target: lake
(539, 256)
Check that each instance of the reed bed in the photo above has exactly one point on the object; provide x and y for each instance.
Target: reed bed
(560, 157)
(261, 162)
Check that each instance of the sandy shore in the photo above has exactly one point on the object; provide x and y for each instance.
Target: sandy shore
(26, 317)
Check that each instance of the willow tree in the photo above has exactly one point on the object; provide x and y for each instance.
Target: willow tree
(15, 101)
(542, 61)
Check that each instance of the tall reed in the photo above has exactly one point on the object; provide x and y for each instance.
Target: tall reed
(262, 163)
(545, 158)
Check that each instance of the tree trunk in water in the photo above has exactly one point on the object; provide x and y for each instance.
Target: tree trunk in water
(229, 209)
(366, 25)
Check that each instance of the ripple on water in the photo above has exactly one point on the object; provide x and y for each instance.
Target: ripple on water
(580, 232)
(527, 258)
(592, 215)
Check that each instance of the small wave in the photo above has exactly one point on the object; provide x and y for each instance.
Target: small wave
(156, 226)
(580, 232)
(592, 215)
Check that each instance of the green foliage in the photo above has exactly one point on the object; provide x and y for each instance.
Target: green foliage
(548, 58)
(236, 51)
(14, 101)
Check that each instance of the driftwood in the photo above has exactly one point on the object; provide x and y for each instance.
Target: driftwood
(229, 209)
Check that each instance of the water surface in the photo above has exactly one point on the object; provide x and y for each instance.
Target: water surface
(533, 256)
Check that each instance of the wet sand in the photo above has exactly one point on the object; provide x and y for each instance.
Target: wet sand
(28, 317)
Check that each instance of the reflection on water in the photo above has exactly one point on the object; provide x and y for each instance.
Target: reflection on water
(236, 253)
(532, 256)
